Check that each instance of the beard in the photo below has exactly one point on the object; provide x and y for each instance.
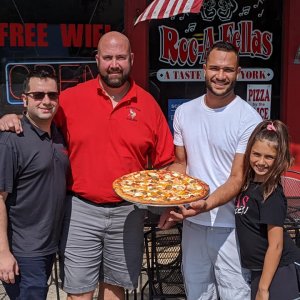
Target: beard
(115, 82)
(215, 92)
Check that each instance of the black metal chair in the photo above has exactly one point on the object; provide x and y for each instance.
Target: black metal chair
(163, 255)
(291, 186)
(54, 277)
(2, 292)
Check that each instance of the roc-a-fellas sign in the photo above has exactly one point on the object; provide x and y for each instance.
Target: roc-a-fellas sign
(179, 46)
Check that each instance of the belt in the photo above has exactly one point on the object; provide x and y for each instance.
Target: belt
(106, 204)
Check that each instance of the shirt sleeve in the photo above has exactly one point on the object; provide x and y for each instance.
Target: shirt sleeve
(163, 153)
(178, 139)
(274, 209)
(60, 118)
(249, 124)
(7, 168)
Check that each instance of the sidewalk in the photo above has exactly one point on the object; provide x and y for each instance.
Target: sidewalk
(52, 294)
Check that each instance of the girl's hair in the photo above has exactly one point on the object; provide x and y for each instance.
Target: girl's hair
(275, 132)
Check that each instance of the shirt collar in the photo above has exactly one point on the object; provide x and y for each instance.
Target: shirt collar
(41, 133)
(130, 95)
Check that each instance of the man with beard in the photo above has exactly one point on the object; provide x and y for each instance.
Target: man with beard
(112, 127)
(210, 137)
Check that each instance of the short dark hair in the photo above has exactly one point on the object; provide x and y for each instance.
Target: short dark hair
(38, 73)
(224, 46)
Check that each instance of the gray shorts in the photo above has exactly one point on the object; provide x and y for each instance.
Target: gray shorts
(101, 244)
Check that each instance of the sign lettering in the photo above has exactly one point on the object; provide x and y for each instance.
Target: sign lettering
(176, 50)
(69, 74)
(36, 35)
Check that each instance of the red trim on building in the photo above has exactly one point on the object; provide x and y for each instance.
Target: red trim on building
(138, 36)
(290, 112)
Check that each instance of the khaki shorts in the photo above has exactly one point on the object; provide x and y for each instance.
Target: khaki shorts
(101, 243)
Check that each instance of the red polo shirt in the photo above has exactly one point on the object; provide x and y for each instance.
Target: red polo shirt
(105, 143)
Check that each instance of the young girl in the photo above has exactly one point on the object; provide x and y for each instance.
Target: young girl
(266, 249)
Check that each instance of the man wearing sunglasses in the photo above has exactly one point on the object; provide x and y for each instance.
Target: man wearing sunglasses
(34, 166)
(112, 127)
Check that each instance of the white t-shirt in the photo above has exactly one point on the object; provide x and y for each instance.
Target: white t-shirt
(211, 138)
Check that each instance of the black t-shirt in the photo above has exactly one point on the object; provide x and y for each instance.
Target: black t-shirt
(33, 173)
(253, 215)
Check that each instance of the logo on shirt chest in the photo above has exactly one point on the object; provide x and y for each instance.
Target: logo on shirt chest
(132, 114)
(241, 206)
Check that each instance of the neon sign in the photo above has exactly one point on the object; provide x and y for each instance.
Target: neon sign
(69, 73)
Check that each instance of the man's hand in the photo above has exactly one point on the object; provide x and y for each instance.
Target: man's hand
(8, 267)
(11, 122)
(191, 210)
(166, 221)
(196, 208)
(171, 216)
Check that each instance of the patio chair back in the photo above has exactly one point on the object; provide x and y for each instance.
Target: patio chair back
(291, 187)
(163, 254)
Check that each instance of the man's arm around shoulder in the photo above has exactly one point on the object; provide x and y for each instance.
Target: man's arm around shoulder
(11, 122)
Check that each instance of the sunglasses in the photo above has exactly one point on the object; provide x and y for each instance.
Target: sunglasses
(41, 95)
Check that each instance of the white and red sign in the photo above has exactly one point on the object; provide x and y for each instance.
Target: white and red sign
(259, 97)
(183, 51)
(181, 75)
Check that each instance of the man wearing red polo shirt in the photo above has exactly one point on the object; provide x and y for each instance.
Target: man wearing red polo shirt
(112, 127)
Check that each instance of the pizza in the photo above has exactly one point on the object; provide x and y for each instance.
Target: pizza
(160, 187)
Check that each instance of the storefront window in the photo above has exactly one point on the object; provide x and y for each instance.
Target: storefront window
(178, 48)
(61, 35)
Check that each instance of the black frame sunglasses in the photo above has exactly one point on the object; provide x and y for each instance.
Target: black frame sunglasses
(41, 95)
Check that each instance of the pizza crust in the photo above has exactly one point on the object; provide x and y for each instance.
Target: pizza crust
(160, 188)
